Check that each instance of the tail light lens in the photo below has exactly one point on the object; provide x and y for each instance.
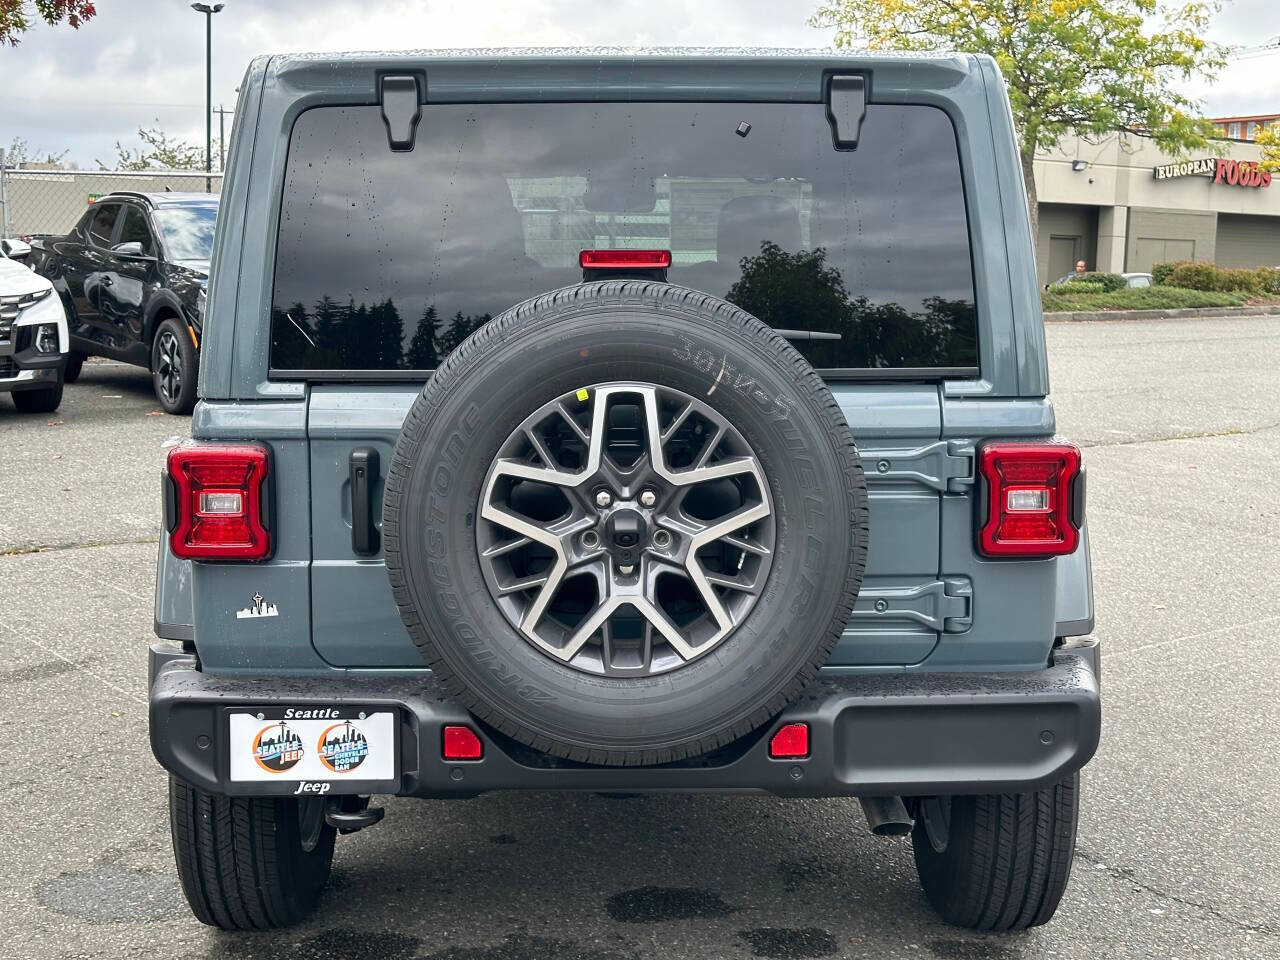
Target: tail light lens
(1032, 499)
(216, 501)
(791, 742)
(624, 259)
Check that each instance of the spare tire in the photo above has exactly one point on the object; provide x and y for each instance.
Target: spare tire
(625, 523)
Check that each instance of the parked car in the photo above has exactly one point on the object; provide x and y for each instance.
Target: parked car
(1136, 280)
(33, 333)
(622, 539)
(130, 275)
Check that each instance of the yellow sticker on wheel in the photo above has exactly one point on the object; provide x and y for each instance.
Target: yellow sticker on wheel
(582, 395)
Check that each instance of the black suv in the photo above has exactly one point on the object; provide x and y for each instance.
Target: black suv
(131, 275)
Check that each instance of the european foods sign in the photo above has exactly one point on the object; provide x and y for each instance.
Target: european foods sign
(1223, 172)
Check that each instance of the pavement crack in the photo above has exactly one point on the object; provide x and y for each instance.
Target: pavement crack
(1208, 434)
(86, 545)
(1127, 875)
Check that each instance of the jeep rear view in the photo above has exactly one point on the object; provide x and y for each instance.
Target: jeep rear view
(620, 422)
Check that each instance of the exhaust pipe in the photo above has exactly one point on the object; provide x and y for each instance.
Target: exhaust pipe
(887, 816)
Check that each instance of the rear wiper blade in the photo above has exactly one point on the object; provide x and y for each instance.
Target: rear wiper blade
(806, 334)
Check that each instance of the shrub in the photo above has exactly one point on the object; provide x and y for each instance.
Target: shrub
(1160, 272)
(1107, 281)
(1074, 287)
(1070, 297)
(1206, 276)
(1270, 277)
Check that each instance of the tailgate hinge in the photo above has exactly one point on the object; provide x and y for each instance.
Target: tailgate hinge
(957, 604)
(944, 606)
(944, 465)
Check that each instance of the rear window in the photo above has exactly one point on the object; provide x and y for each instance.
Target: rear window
(387, 261)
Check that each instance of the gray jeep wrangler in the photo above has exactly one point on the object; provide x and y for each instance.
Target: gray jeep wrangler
(622, 538)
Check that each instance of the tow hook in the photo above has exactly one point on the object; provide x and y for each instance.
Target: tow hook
(349, 814)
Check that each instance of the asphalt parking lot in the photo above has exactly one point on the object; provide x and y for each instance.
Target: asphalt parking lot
(1179, 855)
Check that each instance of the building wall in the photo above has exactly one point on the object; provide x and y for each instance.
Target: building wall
(1157, 236)
(1247, 241)
(1138, 220)
(1067, 234)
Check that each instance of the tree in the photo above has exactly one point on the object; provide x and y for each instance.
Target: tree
(20, 152)
(16, 16)
(1268, 139)
(159, 151)
(1090, 67)
(423, 354)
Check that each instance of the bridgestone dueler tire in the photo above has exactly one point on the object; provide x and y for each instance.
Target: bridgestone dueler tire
(1007, 860)
(241, 859)
(609, 332)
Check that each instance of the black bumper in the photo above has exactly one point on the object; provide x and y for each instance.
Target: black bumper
(909, 734)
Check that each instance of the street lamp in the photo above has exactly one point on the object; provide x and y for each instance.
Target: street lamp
(208, 9)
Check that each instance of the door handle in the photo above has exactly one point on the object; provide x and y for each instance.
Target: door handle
(363, 468)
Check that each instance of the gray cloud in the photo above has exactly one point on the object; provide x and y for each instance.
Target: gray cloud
(141, 62)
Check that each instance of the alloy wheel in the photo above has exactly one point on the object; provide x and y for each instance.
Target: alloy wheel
(626, 529)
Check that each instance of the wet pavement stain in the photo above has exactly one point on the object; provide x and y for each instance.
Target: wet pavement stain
(503, 839)
(796, 874)
(520, 946)
(338, 943)
(655, 904)
(971, 950)
(110, 894)
(784, 943)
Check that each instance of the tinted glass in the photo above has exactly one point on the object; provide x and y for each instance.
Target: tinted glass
(104, 221)
(187, 231)
(388, 260)
(134, 229)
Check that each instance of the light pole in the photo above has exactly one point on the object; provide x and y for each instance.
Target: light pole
(208, 9)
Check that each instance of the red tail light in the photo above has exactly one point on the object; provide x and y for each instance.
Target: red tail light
(624, 259)
(1031, 499)
(216, 501)
(791, 742)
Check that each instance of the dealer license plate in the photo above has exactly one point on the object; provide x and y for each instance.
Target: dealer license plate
(311, 744)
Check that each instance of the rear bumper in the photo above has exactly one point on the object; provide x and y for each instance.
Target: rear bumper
(903, 734)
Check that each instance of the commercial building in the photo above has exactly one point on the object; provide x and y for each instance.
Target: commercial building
(1244, 128)
(1121, 205)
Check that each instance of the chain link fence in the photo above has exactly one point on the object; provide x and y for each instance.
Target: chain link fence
(51, 201)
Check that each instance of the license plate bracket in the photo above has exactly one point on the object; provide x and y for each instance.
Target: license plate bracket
(311, 749)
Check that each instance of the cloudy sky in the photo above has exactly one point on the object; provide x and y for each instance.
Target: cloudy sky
(141, 62)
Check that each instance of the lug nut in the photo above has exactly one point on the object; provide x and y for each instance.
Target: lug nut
(590, 539)
(661, 538)
(648, 498)
(603, 499)
(626, 569)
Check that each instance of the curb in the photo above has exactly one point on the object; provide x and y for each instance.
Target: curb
(1094, 316)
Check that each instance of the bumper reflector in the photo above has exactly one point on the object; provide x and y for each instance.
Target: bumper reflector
(791, 742)
(461, 743)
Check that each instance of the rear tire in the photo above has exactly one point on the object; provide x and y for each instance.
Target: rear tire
(44, 400)
(249, 863)
(1005, 858)
(75, 363)
(175, 364)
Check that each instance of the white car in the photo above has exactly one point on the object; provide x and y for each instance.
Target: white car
(33, 333)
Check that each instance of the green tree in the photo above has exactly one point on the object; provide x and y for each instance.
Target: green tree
(16, 16)
(159, 151)
(423, 354)
(1090, 67)
(20, 152)
(1268, 139)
